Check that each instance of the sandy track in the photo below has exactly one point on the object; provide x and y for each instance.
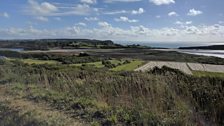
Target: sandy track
(182, 66)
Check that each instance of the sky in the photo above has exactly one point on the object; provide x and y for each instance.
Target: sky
(118, 20)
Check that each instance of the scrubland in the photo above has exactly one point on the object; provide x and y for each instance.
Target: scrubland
(91, 96)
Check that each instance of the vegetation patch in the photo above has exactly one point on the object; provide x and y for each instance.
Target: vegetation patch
(130, 66)
(207, 74)
(104, 63)
(35, 61)
(10, 117)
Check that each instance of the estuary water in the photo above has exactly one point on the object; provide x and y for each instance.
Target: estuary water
(215, 53)
(10, 49)
(174, 45)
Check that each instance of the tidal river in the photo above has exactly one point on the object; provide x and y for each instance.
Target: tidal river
(215, 53)
(10, 49)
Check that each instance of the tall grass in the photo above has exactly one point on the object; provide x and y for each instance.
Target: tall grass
(165, 97)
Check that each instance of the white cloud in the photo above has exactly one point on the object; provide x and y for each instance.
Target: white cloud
(161, 2)
(221, 22)
(183, 23)
(125, 19)
(91, 18)
(193, 12)
(112, 1)
(81, 24)
(73, 30)
(57, 18)
(188, 22)
(134, 12)
(116, 12)
(4, 14)
(200, 33)
(58, 9)
(139, 11)
(80, 9)
(104, 24)
(44, 8)
(173, 13)
(142, 30)
(158, 16)
(88, 1)
(41, 18)
(179, 23)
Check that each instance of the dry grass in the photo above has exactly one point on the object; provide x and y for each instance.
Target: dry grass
(40, 111)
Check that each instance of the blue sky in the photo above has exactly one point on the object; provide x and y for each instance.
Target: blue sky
(120, 20)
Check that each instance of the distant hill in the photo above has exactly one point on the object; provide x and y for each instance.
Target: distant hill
(45, 44)
(211, 47)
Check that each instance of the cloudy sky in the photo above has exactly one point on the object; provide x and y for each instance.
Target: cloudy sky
(119, 20)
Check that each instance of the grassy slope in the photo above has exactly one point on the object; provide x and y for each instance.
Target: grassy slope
(129, 67)
(16, 110)
(127, 98)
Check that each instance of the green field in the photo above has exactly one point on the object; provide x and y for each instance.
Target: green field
(207, 74)
(99, 64)
(95, 64)
(35, 61)
(130, 66)
(120, 66)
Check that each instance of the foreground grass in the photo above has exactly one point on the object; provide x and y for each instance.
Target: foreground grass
(15, 110)
(130, 66)
(160, 97)
(11, 117)
(207, 74)
(95, 112)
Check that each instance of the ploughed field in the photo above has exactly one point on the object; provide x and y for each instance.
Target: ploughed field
(185, 67)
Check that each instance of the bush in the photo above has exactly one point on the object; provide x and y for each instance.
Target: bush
(2, 62)
(108, 64)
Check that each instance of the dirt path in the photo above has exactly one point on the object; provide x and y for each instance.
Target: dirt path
(43, 112)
